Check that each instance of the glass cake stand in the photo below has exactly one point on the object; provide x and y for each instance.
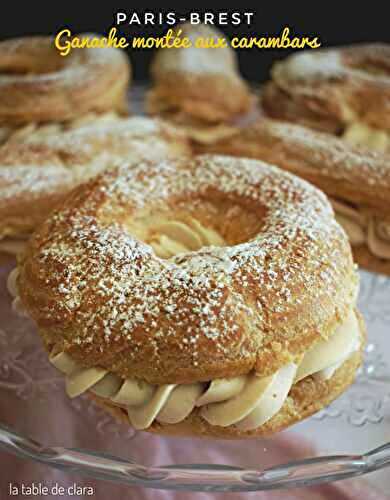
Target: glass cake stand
(38, 422)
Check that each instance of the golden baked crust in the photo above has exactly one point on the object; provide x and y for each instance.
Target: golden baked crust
(38, 169)
(203, 84)
(37, 131)
(99, 294)
(199, 96)
(336, 167)
(37, 84)
(278, 104)
(328, 88)
(305, 398)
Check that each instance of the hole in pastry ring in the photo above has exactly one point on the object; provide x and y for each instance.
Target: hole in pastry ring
(103, 296)
(38, 84)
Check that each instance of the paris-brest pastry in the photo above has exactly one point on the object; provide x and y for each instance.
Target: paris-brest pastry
(39, 86)
(200, 89)
(344, 91)
(213, 296)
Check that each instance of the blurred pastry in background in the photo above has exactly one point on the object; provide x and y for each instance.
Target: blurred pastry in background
(38, 170)
(357, 181)
(200, 89)
(39, 86)
(344, 91)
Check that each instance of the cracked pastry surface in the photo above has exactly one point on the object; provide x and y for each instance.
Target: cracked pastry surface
(39, 168)
(344, 91)
(38, 85)
(356, 180)
(200, 88)
(170, 290)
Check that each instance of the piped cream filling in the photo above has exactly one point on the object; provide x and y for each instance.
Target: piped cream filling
(34, 130)
(360, 134)
(364, 229)
(171, 237)
(17, 305)
(199, 130)
(247, 401)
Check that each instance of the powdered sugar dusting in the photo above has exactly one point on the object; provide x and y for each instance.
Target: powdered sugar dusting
(43, 162)
(136, 126)
(325, 154)
(313, 65)
(196, 60)
(35, 182)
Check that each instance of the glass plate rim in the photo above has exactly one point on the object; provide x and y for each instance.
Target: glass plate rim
(196, 477)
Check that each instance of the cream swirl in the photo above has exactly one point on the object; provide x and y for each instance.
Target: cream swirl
(360, 228)
(17, 305)
(360, 134)
(247, 401)
(378, 239)
(306, 65)
(363, 228)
